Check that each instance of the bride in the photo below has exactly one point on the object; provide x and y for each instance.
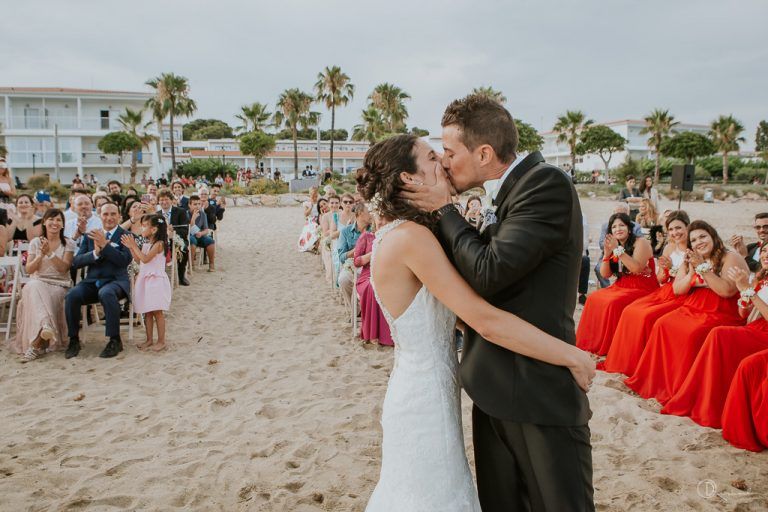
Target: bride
(424, 465)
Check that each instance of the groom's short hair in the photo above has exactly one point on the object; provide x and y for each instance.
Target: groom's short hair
(483, 120)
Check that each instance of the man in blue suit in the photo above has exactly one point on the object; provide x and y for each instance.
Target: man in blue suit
(106, 281)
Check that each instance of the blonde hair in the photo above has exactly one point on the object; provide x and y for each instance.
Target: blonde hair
(651, 217)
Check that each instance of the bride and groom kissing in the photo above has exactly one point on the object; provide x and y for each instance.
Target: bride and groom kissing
(514, 286)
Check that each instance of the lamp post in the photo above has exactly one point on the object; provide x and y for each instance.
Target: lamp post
(33, 164)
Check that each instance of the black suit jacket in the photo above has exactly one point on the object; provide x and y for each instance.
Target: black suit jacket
(180, 221)
(111, 265)
(527, 263)
(754, 265)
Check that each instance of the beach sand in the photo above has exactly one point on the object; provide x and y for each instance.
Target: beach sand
(266, 403)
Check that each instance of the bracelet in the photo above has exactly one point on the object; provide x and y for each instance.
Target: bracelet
(745, 297)
(606, 259)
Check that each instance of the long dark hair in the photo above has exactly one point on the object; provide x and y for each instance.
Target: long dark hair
(157, 221)
(718, 247)
(643, 186)
(127, 202)
(763, 272)
(380, 177)
(53, 212)
(629, 245)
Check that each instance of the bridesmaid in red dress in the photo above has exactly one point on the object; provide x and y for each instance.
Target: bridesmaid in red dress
(631, 260)
(373, 325)
(638, 318)
(745, 418)
(677, 336)
(702, 395)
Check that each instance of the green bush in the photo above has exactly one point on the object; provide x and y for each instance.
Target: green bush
(747, 174)
(57, 190)
(38, 182)
(266, 186)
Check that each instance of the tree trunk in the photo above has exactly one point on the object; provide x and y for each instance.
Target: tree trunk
(134, 162)
(173, 151)
(725, 168)
(295, 154)
(120, 161)
(657, 173)
(333, 122)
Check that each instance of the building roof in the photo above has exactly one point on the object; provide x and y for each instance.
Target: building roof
(67, 90)
(634, 122)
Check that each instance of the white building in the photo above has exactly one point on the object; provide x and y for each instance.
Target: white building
(30, 115)
(637, 146)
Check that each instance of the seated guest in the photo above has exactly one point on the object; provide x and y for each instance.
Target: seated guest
(115, 190)
(328, 225)
(631, 195)
(40, 322)
(638, 318)
(373, 325)
(178, 223)
(751, 252)
(125, 211)
(347, 241)
(43, 203)
(584, 271)
(70, 212)
(24, 225)
(151, 189)
(647, 216)
(676, 337)
(181, 200)
(106, 281)
(84, 222)
(100, 200)
(745, 416)
(209, 208)
(630, 259)
(621, 207)
(702, 394)
(199, 233)
(310, 205)
(474, 215)
(219, 200)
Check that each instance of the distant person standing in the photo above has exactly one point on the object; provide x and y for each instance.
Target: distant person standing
(632, 196)
(649, 191)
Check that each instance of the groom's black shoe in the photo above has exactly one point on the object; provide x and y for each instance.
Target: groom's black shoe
(114, 347)
(73, 348)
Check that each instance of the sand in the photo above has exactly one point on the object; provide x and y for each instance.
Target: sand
(266, 403)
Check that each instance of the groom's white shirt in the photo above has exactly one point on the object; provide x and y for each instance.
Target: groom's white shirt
(492, 187)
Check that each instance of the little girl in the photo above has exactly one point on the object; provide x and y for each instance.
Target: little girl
(152, 293)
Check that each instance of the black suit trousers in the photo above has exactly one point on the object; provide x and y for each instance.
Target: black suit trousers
(527, 467)
(84, 293)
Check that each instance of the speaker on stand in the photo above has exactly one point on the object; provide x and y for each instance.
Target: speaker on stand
(682, 180)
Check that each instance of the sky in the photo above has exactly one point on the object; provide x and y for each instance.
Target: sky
(612, 59)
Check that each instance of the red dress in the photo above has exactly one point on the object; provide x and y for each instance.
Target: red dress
(603, 309)
(745, 417)
(373, 325)
(702, 395)
(675, 341)
(635, 326)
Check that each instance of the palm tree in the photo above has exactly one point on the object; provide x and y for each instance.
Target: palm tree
(132, 122)
(171, 99)
(293, 111)
(659, 125)
(568, 127)
(389, 99)
(725, 132)
(490, 93)
(335, 90)
(255, 117)
(372, 127)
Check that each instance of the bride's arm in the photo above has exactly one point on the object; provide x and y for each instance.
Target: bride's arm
(423, 255)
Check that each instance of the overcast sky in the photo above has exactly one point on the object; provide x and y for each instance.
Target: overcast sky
(613, 59)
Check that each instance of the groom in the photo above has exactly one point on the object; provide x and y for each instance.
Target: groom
(529, 419)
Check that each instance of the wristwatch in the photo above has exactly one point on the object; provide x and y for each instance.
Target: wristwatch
(445, 209)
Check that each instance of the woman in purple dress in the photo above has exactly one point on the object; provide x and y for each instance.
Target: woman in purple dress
(373, 326)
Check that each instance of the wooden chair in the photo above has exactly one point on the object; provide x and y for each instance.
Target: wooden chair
(11, 289)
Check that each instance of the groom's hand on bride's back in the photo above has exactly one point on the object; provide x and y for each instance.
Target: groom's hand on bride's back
(436, 191)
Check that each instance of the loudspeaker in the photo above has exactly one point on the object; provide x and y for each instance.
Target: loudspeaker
(682, 177)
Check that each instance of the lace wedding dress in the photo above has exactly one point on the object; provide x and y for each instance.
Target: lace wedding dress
(423, 463)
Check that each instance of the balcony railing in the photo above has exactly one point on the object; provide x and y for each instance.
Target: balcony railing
(64, 123)
(97, 158)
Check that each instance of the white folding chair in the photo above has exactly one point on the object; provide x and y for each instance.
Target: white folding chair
(11, 288)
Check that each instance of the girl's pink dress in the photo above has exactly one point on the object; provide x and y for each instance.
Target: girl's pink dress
(153, 288)
(373, 326)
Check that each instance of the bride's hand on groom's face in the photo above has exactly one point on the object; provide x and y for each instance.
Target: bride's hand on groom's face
(430, 197)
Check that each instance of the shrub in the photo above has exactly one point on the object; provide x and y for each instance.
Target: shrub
(208, 167)
(38, 181)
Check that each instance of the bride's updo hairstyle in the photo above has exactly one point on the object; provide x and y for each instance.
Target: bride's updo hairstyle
(378, 180)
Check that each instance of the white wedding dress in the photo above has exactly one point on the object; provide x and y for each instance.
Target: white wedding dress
(423, 463)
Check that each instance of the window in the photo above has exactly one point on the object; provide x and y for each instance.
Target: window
(104, 119)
